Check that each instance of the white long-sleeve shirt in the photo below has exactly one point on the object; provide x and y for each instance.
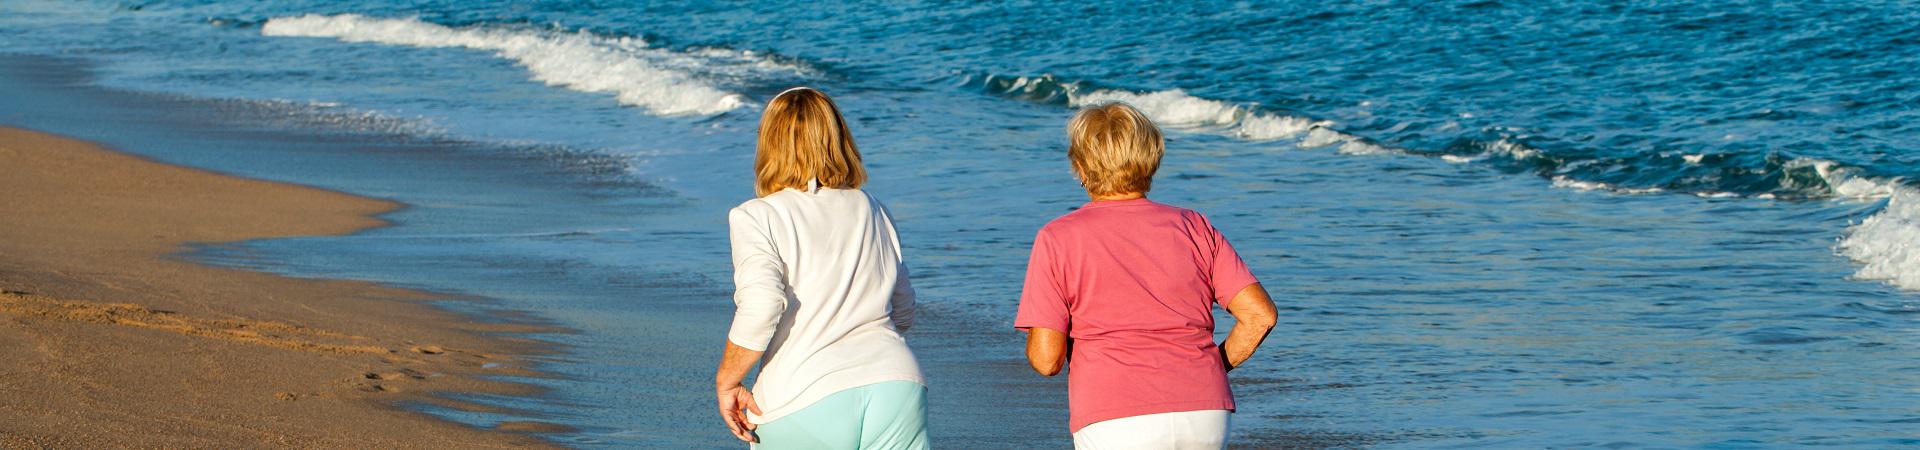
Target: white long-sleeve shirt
(820, 287)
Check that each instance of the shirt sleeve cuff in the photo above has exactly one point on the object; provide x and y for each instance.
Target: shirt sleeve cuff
(751, 341)
(1031, 324)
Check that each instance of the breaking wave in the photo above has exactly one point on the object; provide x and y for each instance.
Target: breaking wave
(660, 81)
(1887, 244)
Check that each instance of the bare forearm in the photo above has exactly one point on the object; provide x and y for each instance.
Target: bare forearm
(1242, 341)
(1254, 316)
(734, 365)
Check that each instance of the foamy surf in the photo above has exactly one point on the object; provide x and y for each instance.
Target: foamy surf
(1174, 108)
(660, 81)
(1564, 182)
(1885, 244)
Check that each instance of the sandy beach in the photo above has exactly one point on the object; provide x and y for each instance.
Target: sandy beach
(112, 341)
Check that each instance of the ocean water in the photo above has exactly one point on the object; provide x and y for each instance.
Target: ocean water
(1488, 224)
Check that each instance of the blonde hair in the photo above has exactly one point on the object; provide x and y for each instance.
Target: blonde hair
(1114, 148)
(802, 138)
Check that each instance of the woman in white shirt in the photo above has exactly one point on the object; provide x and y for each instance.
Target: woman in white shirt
(821, 296)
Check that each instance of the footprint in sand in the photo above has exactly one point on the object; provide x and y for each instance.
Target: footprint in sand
(402, 374)
(384, 381)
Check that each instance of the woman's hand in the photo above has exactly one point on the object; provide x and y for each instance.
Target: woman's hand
(735, 401)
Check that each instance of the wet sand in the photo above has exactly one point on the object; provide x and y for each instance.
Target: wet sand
(112, 341)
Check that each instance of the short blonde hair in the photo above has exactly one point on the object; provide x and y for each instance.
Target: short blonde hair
(1114, 148)
(802, 138)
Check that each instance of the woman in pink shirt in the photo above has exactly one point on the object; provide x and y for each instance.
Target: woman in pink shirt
(1121, 292)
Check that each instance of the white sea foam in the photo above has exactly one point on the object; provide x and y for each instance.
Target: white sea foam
(1511, 149)
(1261, 127)
(1887, 244)
(1175, 108)
(1504, 148)
(1562, 181)
(1321, 137)
(1171, 108)
(662, 82)
(1360, 147)
(1845, 182)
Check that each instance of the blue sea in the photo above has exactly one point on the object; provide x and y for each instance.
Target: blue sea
(1489, 224)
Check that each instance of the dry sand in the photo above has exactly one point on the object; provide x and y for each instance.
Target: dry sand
(107, 340)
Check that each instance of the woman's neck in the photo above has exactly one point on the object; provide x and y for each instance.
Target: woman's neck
(1118, 196)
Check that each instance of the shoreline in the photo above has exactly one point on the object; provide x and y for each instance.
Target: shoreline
(474, 209)
(117, 341)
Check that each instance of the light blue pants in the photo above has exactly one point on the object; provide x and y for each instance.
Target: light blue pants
(883, 416)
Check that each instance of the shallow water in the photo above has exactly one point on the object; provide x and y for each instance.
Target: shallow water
(1488, 225)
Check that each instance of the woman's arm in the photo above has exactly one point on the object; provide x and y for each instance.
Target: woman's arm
(1253, 317)
(1047, 350)
(760, 299)
(1043, 310)
(759, 282)
(735, 399)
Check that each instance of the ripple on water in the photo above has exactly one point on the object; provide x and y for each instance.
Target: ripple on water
(1899, 309)
(1780, 336)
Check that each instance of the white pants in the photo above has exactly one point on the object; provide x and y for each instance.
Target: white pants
(1187, 430)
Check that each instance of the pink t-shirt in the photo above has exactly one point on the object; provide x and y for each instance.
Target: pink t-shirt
(1133, 283)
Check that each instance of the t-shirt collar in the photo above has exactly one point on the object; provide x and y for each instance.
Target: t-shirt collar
(1109, 203)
